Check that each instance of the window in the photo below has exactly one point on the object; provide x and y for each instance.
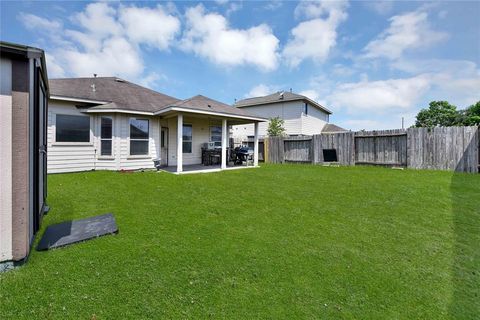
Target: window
(306, 109)
(163, 139)
(216, 135)
(106, 136)
(138, 137)
(187, 138)
(72, 128)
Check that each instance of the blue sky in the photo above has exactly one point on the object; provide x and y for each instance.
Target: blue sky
(371, 63)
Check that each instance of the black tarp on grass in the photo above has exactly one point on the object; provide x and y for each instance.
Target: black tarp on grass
(73, 231)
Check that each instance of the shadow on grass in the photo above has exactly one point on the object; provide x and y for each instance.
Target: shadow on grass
(465, 193)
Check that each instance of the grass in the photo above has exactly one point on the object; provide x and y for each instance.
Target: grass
(285, 242)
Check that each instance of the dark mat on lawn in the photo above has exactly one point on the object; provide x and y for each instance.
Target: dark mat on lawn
(73, 231)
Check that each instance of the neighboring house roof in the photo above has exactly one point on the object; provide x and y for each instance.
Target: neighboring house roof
(278, 97)
(111, 94)
(332, 128)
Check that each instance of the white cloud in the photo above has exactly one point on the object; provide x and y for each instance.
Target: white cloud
(380, 7)
(457, 81)
(342, 70)
(361, 124)
(116, 57)
(312, 94)
(99, 19)
(106, 40)
(408, 31)
(454, 67)
(233, 7)
(33, 22)
(209, 35)
(442, 14)
(321, 9)
(379, 122)
(380, 96)
(313, 39)
(149, 80)
(150, 26)
(261, 90)
(273, 5)
(53, 68)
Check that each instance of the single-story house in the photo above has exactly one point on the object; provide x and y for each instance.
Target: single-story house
(107, 123)
(301, 115)
(23, 176)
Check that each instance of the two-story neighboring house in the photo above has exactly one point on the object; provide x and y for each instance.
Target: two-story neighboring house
(301, 115)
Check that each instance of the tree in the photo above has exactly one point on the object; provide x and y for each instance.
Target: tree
(471, 115)
(439, 113)
(275, 127)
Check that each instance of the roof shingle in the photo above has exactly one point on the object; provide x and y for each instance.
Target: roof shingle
(126, 95)
(118, 94)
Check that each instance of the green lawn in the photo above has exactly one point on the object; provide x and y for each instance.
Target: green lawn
(282, 241)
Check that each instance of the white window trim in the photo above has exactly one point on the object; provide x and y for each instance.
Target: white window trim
(210, 133)
(112, 155)
(191, 141)
(66, 143)
(139, 156)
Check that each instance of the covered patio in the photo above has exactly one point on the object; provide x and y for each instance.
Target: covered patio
(189, 125)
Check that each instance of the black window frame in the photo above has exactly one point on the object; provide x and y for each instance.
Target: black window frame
(58, 130)
(185, 141)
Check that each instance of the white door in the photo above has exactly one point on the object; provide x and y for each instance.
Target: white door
(164, 146)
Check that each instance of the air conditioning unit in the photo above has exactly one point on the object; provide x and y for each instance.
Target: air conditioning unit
(208, 145)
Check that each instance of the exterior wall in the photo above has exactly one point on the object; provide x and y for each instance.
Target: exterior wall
(6, 160)
(72, 157)
(21, 195)
(314, 121)
(292, 112)
(21, 210)
(128, 162)
(65, 156)
(200, 135)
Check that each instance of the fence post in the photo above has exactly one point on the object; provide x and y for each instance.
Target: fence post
(265, 150)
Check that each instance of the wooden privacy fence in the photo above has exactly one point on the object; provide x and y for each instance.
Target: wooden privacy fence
(387, 147)
(443, 148)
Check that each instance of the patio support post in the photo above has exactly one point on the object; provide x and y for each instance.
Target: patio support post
(180, 142)
(255, 145)
(159, 149)
(224, 143)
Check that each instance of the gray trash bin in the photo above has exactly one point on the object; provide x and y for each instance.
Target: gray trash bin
(157, 163)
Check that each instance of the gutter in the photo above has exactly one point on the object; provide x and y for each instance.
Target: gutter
(214, 113)
(63, 98)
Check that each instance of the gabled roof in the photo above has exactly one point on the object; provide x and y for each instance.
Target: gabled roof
(124, 94)
(332, 128)
(276, 98)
